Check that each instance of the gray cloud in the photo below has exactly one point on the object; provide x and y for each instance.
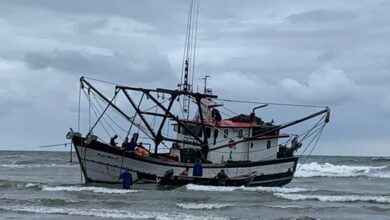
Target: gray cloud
(322, 16)
(327, 56)
(116, 65)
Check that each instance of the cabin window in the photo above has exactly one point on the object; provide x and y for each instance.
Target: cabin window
(208, 132)
(251, 144)
(215, 136)
(200, 133)
(240, 133)
(192, 128)
(225, 133)
(179, 129)
(268, 144)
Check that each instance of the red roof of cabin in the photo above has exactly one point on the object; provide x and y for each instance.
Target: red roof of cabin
(226, 123)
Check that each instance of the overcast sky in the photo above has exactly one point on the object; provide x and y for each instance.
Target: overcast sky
(334, 53)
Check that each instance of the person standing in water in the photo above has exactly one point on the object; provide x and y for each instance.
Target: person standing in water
(197, 169)
(127, 179)
(222, 177)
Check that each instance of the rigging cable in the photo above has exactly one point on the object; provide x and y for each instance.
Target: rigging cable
(109, 117)
(135, 115)
(97, 115)
(271, 103)
(315, 144)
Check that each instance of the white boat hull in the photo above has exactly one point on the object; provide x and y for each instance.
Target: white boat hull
(106, 165)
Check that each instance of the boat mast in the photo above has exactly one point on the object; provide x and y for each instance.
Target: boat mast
(188, 68)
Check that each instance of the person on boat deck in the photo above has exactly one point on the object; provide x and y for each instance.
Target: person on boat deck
(127, 179)
(185, 172)
(216, 115)
(198, 169)
(222, 177)
(112, 141)
(132, 144)
(126, 145)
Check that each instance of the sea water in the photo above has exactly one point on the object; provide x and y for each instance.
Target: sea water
(45, 185)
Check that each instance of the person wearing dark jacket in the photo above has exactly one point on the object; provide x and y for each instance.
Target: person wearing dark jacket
(198, 169)
(222, 177)
(112, 140)
(127, 179)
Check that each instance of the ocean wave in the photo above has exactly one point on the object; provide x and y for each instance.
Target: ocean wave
(315, 169)
(88, 188)
(194, 187)
(335, 198)
(24, 166)
(286, 206)
(277, 189)
(7, 184)
(54, 202)
(12, 155)
(32, 185)
(381, 159)
(203, 205)
(86, 212)
(107, 213)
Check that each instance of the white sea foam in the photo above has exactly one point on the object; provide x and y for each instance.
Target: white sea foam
(203, 205)
(194, 187)
(335, 198)
(24, 166)
(277, 189)
(285, 206)
(315, 169)
(88, 188)
(380, 175)
(32, 185)
(107, 213)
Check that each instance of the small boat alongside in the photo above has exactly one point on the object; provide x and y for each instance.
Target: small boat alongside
(180, 180)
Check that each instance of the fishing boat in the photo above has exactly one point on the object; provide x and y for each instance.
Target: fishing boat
(173, 129)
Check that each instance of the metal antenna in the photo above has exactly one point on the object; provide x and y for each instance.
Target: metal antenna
(205, 83)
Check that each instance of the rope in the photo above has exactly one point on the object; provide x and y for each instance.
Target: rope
(272, 103)
(102, 81)
(318, 135)
(135, 115)
(101, 107)
(79, 111)
(138, 125)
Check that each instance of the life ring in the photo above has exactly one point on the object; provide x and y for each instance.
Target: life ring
(232, 143)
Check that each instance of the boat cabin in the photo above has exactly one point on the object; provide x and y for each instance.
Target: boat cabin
(231, 132)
